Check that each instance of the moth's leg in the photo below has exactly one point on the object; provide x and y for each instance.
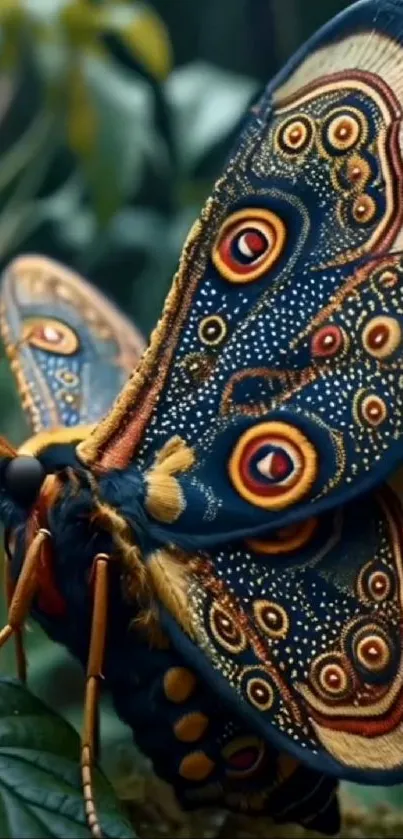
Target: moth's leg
(9, 586)
(22, 594)
(94, 675)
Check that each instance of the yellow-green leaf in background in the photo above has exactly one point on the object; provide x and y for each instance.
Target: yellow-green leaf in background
(10, 10)
(80, 21)
(11, 19)
(82, 123)
(111, 129)
(143, 33)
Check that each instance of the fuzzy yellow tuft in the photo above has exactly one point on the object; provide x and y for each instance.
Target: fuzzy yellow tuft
(164, 498)
(170, 579)
(175, 457)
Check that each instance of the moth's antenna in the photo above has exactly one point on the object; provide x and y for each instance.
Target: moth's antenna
(94, 675)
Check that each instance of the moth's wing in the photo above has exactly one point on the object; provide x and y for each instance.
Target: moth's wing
(278, 360)
(70, 349)
(279, 355)
(302, 635)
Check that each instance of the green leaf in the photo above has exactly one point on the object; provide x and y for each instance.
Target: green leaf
(206, 103)
(143, 33)
(40, 784)
(122, 139)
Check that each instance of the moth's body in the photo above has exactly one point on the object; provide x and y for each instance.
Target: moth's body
(208, 755)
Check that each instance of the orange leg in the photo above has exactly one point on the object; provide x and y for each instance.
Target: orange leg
(21, 595)
(19, 633)
(94, 675)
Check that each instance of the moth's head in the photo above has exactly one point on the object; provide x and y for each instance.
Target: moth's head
(36, 482)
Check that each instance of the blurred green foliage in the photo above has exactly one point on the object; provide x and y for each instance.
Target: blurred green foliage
(115, 118)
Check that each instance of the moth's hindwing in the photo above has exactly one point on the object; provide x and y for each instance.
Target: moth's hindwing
(70, 349)
(302, 633)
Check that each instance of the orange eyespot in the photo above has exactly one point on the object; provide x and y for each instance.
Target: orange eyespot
(372, 650)
(375, 583)
(271, 619)
(260, 694)
(382, 336)
(330, 676)
(225, 630)
(344, 130)
(249, 243)
(328, 342)
(50, 335)
(273, 465)
(369, 409)
(295, 135)
(364, 209)
(358, 171)
(295, 537)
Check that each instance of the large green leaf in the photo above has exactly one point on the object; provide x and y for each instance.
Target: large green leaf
(123, 137)
(40, 787)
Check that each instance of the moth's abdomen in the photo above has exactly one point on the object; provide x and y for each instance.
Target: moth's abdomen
(209, 756)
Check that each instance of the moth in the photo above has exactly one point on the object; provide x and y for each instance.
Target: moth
(224, 546)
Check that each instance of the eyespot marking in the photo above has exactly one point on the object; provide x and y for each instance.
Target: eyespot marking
(288, 539)
(375, 583)
(364, 209)
(344, 129)
(294, 136)
(271, 619)
(382, 336)
(328, 342)
(243, 756)
(369, 409)
(212, 330)
(330, 676)
(260, 693)
(225, 630)
(248, 245)
(273, 465)
(50, 335)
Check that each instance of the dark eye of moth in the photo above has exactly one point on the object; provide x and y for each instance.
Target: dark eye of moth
(212, 330)
(248, 245)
